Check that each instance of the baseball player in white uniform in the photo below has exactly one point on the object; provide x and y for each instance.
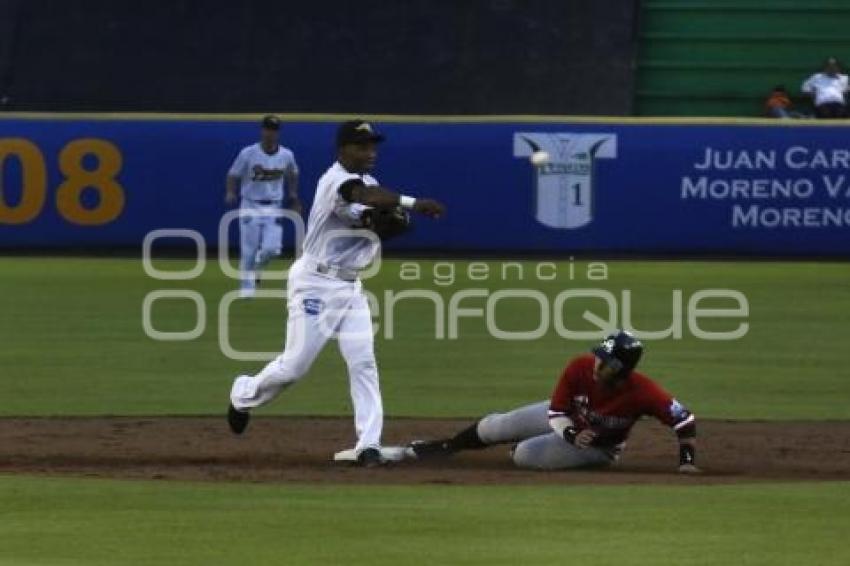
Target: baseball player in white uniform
(324, 293)
(259, 172)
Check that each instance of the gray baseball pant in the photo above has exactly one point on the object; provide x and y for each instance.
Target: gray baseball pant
(538, 446)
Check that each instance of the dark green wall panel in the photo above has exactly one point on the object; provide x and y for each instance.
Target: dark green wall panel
(722, 57)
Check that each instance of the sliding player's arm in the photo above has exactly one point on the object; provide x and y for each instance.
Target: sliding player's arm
(559, 406)
(682, 421)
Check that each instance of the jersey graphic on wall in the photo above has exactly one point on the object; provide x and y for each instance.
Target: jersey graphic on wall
(564, 192)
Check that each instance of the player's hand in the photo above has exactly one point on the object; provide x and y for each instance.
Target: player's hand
(230, 198)
(429, 207)
(689, 469)
(585, 438)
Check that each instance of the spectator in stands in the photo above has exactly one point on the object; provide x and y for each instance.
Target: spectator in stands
(828, 88)
(778, 105)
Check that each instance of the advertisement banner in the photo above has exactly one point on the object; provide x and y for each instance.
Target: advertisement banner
(513, 186)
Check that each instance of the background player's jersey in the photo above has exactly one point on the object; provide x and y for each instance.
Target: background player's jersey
(611, 413)
(330, 213)
(261, 176)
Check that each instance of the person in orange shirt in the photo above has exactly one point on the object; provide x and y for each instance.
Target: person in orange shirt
(778, 104)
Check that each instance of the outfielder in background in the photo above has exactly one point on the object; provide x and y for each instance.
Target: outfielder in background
(259, 173)
(324, 294)
(596, 402)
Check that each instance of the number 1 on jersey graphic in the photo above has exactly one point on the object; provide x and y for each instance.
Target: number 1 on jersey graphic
(564, 183)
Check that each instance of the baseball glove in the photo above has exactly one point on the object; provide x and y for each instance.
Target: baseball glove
(387, 222)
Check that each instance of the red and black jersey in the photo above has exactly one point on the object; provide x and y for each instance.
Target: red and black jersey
(612, 412)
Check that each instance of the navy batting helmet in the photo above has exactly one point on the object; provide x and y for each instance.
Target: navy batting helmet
(621, 351)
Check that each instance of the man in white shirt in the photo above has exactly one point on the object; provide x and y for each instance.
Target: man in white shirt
(324, 293)
(259, 172)
(827, 89)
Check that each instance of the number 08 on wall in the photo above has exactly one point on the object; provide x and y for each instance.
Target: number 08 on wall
(76, 178)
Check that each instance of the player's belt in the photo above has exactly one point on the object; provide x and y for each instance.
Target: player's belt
(266, 202)
(337, 272)
(329, 270)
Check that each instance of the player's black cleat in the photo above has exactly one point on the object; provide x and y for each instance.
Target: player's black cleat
(370, 458)
(425, 449)
(238, 420)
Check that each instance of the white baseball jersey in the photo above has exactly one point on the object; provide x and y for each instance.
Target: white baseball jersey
(262, 175)
(825, 88)
(331, 213)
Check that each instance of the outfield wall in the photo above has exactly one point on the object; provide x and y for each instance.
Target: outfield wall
(631, 186)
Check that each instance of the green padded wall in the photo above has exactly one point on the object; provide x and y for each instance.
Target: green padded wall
(722, 57)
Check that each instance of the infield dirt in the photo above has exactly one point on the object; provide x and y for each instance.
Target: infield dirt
(300, 449)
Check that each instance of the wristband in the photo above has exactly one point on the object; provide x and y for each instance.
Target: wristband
(687, 454)
(406, 202)
(570, 434)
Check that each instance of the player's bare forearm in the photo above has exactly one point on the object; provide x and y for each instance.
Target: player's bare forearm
(231, 186)
(687, 456)
(381, 197)
(292, 186)
(377, 197)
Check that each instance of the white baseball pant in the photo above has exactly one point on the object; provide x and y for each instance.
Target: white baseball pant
(260, 239)
(321, 307)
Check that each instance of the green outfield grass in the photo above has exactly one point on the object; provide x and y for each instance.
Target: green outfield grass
(99, 522)
(72, 341)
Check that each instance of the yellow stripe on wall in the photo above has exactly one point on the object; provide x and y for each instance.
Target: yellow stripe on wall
(427, 119)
